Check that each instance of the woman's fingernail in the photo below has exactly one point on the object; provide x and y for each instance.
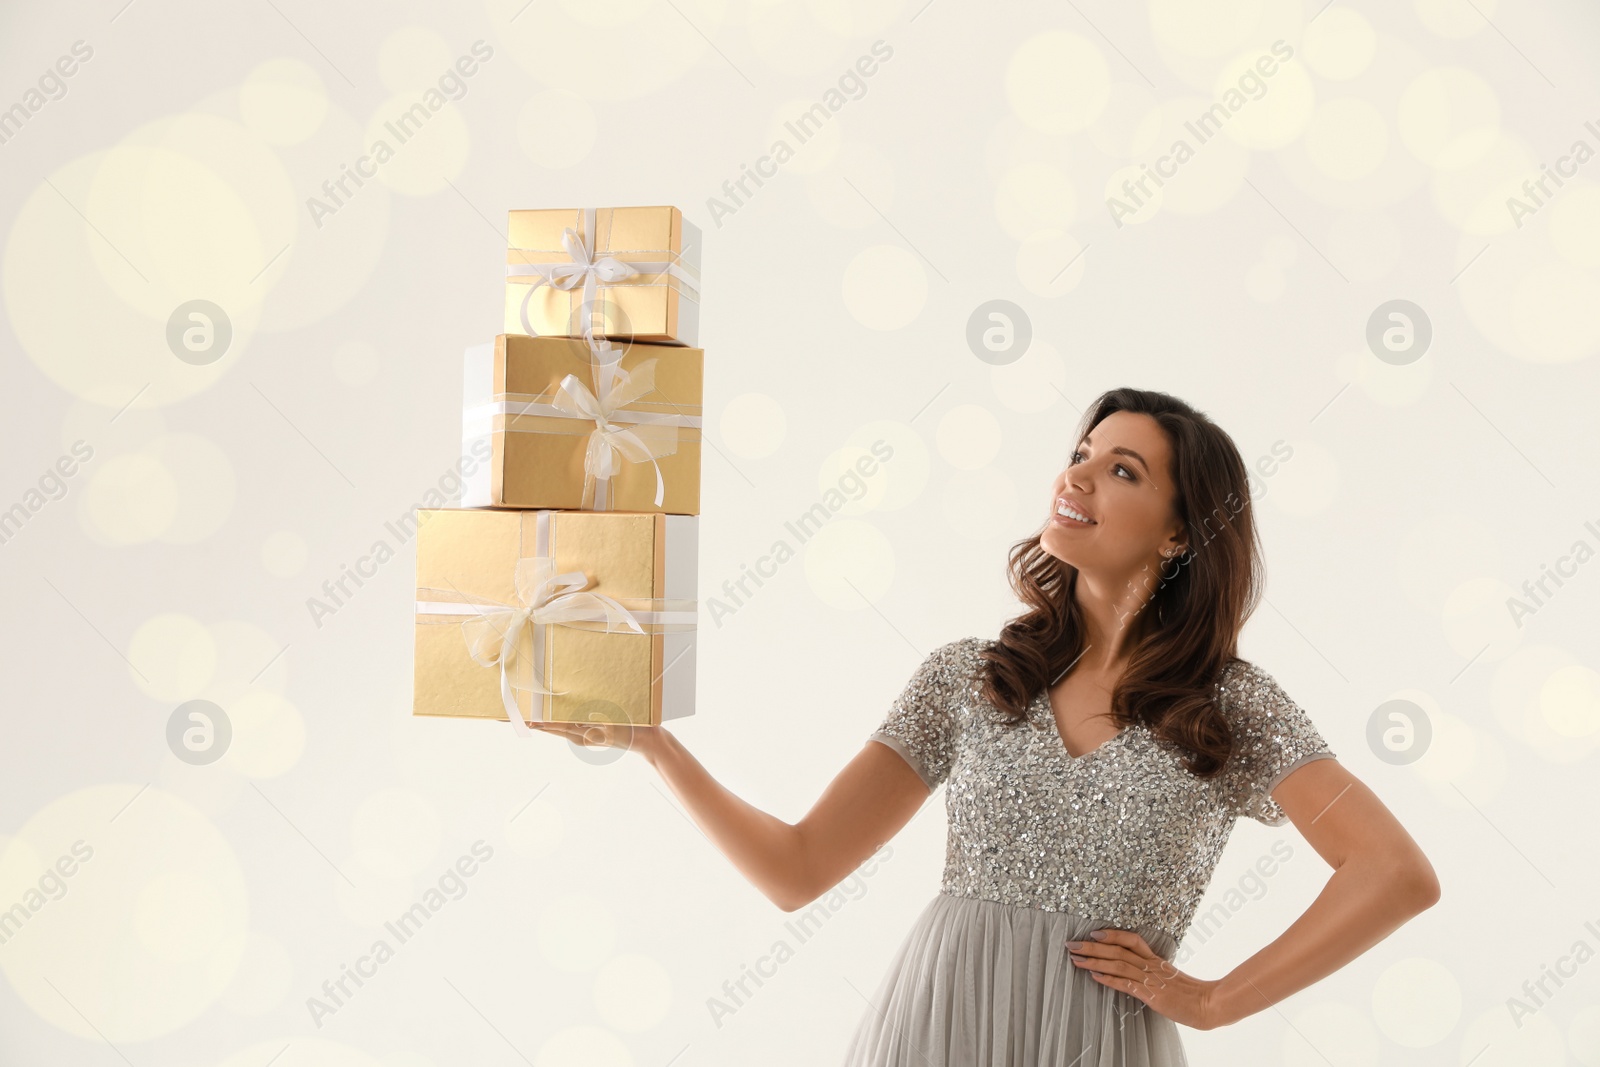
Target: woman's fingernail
(1098, 935)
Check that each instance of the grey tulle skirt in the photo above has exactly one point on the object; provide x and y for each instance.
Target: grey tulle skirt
(983, 984)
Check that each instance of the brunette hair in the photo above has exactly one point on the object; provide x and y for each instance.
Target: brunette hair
(1188, 633)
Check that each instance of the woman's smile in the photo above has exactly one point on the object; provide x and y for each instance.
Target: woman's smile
(1070, 513)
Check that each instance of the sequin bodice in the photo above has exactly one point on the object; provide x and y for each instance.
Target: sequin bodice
(1122, 833)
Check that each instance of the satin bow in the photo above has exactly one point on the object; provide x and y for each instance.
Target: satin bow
(646, 438)
(565, 276)
(495, 635)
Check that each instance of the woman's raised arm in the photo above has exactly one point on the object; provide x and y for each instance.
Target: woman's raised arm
(792, 864)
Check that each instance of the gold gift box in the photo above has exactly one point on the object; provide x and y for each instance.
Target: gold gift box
(537, 460)
(466, 563)
(658, 303)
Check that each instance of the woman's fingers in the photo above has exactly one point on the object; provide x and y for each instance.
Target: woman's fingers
(1122, 954)
(1129, 946)
(1124, 961)
(589, 735)
(561, 729)
(1114, 967)
(1120, 944)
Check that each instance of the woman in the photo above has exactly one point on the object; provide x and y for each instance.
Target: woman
(1098, 755)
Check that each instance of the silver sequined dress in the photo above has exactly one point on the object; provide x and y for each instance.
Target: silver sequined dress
(1043, 847)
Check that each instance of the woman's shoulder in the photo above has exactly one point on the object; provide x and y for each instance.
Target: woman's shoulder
(1242, 678)
(957, 662)
(963, 650)
(1252, 698)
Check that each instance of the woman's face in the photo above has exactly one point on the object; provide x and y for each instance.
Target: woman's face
(1119, 477)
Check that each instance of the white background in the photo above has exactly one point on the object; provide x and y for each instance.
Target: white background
(177, 562)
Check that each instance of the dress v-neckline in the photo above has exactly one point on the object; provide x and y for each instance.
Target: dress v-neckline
(1061, 745)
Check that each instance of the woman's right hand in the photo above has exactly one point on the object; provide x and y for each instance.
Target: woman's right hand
(645, 740)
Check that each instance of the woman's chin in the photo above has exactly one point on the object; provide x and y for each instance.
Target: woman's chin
(1054, 548)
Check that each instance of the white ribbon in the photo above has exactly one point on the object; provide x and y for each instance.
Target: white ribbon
(651, 435)
(582, 266)
(495, 631)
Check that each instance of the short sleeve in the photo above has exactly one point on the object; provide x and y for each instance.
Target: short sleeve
(922, 724)
(1272, 737)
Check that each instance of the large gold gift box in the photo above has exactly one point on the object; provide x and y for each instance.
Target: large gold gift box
(515, 394)
(637, 269)
(468, 561)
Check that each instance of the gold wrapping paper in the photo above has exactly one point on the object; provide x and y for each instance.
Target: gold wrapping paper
(623, 677)
(658, 304)
(538, 461)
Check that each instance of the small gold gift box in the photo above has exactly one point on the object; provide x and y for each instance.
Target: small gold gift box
(582, 426)
(557, 616)
(621, 272)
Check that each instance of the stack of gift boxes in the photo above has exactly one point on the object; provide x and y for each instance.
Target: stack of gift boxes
(563, 589)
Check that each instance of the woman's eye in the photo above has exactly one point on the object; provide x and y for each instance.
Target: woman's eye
(1072, 461)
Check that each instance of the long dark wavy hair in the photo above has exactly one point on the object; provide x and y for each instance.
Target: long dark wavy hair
(1187, 634)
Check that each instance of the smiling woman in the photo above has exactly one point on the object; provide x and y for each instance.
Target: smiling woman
(1098, 756)
(1152, 511)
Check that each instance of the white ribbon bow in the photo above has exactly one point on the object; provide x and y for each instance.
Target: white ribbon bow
(648, 438)
(584, 267)
(495, 635)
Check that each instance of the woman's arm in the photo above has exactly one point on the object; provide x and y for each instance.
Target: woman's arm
(1380, 880)
(865, 805)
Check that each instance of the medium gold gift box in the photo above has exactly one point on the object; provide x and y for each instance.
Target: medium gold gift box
(634, 272)
(545, 454)
(478, 569)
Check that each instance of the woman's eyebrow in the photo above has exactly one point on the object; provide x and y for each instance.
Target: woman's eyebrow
(1119, 450)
